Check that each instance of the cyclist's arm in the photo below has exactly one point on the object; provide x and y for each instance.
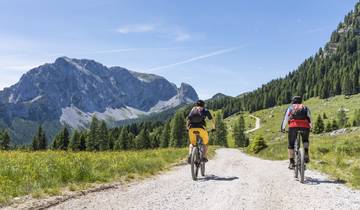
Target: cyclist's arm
(286, 119)
(309, 116)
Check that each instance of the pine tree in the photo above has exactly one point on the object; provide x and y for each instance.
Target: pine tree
(334, 125)
(155, 138)
(122, 143)
(319, 125)
(64, 140)
(220, 134)
(103, 137)
(92, 138)
(82, 141)
(240, 138)
(74, 144)
(39, 141)
(142, 140)
(35, 143)
(4, 140)
(341, 117)
(165, 136)
(328, 127)
(324, 116)
(178, 134)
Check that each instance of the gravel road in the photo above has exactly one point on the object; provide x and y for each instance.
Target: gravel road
(234, 180)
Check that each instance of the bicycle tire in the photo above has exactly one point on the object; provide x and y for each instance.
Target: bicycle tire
(302, 166)
(194, 166)
(296, 159)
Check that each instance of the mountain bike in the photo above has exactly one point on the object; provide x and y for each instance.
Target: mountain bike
(300, 165)
(197, 157)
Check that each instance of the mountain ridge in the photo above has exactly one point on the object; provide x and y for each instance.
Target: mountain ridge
(71, 91)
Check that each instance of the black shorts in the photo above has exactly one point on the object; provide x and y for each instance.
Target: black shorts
(292, 136)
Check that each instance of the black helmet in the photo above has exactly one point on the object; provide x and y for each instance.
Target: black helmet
(200, 103)
(296, 100)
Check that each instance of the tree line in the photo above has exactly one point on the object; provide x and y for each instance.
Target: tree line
(334, 70)
(341, 121)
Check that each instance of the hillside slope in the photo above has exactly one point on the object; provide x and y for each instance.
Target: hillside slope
(335, 153)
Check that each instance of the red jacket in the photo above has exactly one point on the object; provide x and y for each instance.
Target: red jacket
(296, 123)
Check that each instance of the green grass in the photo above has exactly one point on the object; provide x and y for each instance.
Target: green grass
(230, 121)
(338, 156)
(46, 173)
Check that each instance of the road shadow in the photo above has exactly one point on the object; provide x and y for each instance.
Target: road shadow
(315, 181)
(217, 178)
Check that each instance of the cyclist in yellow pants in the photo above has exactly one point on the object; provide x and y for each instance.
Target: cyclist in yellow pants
(196, 123)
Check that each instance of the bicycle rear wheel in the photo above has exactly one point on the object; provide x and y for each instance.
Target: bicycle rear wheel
(302, 166)
(194, 163)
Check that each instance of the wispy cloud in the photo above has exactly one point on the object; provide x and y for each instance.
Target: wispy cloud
(173, 32)
(190, 60)
(137, 28)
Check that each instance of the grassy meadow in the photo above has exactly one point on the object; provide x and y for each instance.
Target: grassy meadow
(48, 172)
(337, 155)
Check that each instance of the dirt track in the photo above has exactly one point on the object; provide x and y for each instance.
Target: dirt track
(234, 181)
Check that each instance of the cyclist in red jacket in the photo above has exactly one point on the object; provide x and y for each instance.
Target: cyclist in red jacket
(297, 117)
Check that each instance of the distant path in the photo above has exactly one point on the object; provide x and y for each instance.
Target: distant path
(257, 124)
(234, 181)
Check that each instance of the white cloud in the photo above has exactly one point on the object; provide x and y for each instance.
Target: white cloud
(138, 28)
(172, 32)
(181, 36)
(190, 60)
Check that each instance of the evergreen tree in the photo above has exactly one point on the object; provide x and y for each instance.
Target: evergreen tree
(82, 141)
(39, 141)
(103, 137)
(319, 125)
(64, 141)
(74, 144)
(328, 127)
(165, 135)
(92, 138)
(220, 134)
(4, 140)
(334, 125)
(155, 137)
(178, 133)
(122, 142)
(324, 116)
(341, 117)
(35, 143)
(240, 138)
(142, 140)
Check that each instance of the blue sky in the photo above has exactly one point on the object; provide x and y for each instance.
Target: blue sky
(228, 46)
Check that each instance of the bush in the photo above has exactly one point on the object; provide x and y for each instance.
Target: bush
(347, 147)
(257, 144)
(323, 150)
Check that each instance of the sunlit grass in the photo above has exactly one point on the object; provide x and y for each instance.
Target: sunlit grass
(45, 173)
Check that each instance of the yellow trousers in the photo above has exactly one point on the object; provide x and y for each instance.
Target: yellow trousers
(203, 134)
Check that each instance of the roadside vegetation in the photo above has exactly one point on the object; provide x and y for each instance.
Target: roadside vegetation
(335, 140)
(47, 172)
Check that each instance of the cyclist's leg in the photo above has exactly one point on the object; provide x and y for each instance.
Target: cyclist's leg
(291, 145)
(205, 137)
(192, 140)
(305, 138)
